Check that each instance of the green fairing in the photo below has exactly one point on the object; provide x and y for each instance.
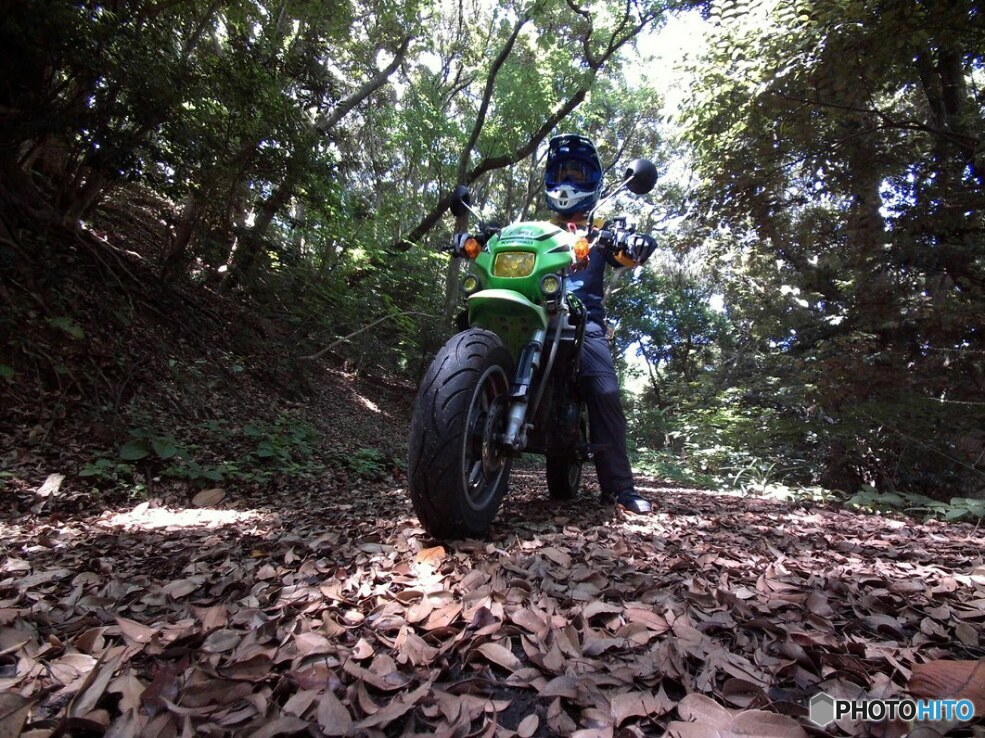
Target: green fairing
(512, 307)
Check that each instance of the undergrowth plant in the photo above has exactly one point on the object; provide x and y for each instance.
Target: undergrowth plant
(210, 453)
(870, 499)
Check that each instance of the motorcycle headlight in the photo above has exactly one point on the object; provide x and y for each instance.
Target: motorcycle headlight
(550, 285)
(514, 264)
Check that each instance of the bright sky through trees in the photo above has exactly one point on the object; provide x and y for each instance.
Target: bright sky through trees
(663, 53)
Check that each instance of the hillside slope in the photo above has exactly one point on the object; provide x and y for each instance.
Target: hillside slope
(129, 386)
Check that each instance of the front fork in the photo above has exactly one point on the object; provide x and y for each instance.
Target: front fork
(522, 404)
(515, 435)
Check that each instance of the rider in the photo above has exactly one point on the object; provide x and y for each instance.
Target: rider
(572, 186)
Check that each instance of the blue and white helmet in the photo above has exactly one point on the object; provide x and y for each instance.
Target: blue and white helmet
(573, 177)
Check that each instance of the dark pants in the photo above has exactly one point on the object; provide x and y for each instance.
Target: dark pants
(599, 387)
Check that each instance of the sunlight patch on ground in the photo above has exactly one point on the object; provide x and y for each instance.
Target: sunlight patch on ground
(145, 517)
(369, 404)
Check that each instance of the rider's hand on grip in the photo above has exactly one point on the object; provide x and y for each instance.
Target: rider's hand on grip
(488, 231)
(639, 248)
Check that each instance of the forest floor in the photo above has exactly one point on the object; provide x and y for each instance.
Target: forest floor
(308, 601)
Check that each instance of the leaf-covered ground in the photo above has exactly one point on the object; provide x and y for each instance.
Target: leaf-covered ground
(323, 609)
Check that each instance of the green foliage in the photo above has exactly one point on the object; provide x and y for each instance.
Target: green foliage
(824, 215)
(366, 463)
(667, 319)
(870, 499)
(68, 325)
(222, 109)
(665, 464)
(107, 470)
(258, 453)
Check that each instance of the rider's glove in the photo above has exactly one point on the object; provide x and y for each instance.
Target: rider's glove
(488, 231)
(457, 246)
(605, 240)
(639, 248)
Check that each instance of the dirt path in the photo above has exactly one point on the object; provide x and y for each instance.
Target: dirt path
(326, 610)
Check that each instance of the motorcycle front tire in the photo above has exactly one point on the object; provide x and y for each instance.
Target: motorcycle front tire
(456, 469)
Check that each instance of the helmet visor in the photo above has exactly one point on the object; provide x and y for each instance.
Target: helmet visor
(577, 172)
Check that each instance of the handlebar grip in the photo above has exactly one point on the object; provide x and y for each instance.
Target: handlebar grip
(606, 239)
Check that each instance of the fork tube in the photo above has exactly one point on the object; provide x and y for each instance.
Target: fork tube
(515, 436)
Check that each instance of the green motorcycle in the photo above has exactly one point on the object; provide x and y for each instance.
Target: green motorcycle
(507, 384)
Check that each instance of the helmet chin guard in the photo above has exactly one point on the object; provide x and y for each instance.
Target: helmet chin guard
(567, 200)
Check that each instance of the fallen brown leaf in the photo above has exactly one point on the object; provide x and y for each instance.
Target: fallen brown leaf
(14, 710)
(398, 707)
(710, 720)
(286, 725)
(136, 633)
(500, 655)
(209, 497)
(960, 680)
(333, 718)
(528, 726)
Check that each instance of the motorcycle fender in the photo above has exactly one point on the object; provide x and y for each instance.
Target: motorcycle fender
(508, 314)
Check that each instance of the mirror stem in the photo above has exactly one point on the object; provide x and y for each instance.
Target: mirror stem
(604, 200)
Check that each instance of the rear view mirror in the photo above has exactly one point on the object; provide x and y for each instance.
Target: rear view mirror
(461, 198)
(640, 176)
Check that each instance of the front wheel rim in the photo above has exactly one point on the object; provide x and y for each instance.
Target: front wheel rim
(483, 458)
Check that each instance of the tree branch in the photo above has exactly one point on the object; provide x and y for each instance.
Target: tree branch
(344, 339)
(301, 155)
(960, 139)
(486, 165)
(586, 39)
(480, 118)
(327, 122)
(620, 36)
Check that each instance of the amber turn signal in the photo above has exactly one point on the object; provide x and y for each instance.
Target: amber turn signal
(581, 249)
(471, 248)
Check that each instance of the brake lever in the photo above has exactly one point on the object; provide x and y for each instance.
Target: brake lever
(605, 239)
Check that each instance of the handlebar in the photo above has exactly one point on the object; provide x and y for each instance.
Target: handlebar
(458, 240)
(615, 238)
(614, 235)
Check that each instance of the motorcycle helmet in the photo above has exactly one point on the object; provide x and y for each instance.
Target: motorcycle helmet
(573, 177)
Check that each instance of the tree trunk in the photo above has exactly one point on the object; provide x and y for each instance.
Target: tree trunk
(244, 263)
(187, 222)
(85, 198)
